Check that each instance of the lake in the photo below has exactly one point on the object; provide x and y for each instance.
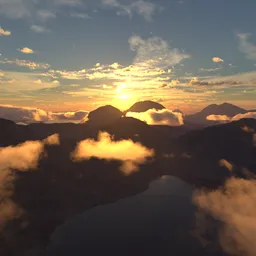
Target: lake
(156, 222)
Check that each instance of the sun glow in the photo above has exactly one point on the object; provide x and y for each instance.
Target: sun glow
(121, 92)
(124, 97)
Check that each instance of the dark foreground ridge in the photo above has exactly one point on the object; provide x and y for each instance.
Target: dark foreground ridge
(60, 188)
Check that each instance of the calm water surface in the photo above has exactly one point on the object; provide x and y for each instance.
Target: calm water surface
(156, 222)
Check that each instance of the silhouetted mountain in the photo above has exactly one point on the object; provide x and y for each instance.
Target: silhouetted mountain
(227, 109)
(178, 111)
(104, 115)
(60, 188)
(143, 106)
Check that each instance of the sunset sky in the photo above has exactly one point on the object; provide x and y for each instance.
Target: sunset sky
(69, 55)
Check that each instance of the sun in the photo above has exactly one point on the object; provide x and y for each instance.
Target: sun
(121, 92)
(123, 98)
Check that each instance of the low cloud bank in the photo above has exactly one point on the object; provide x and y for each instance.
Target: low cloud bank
(20, 158)
(129, 153)
(159, 117)
(234, 207)
(224, 118)
(30, 115)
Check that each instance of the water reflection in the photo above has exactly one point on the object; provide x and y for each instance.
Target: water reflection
(156, 222)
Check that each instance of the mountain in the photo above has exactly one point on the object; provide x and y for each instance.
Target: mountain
(104, 115)
(143, 106)
(227, 109)
(60, 188)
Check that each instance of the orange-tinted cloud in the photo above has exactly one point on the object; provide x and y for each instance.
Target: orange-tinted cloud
(159, 117)
(234, 207)
(217, 59)
(131, 154)
(224, 118)
(20, 158)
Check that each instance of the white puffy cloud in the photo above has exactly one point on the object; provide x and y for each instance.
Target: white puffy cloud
(26, 50)
(159, 117)
(234, 207)
(246, 47)
(20, 158)
(4, 32)
(30, 115)
(217, 59)
(129, 153)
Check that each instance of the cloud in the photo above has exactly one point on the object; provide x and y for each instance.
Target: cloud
(129, 153)
(233, 207)
(68, 2)
(26, 50)
(25, 63)
(4, 32)
(142, 8)
(16, 9)
(80, 15)
(20, 158)
(246, 47)
(52, 140)
(45, 15)
(209, 69)
(217, 59)
(151, 67)
(39, 29)
(224, 118)
(215, 82)
(31, 115)
(159, 117)
(155, 52)
(19, 9)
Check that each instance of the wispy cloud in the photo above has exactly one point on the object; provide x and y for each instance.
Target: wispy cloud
(80, 15)
(32, 115)
(4, 32)
(155, 52)
(246, 47)
(39, 29)
(25, 63)
(145, 9)
(209, 69)
(26, 50)
(45, 15)
(130, 153)
(68, 2)
(16, 9)
(151, 66)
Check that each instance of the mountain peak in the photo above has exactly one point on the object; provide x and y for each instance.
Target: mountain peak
(143, 106)
(104, 115)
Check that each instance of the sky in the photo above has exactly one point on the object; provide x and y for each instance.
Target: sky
(70, 55)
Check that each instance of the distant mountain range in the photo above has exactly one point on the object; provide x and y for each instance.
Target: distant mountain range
(226, 109)
(60, 188)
